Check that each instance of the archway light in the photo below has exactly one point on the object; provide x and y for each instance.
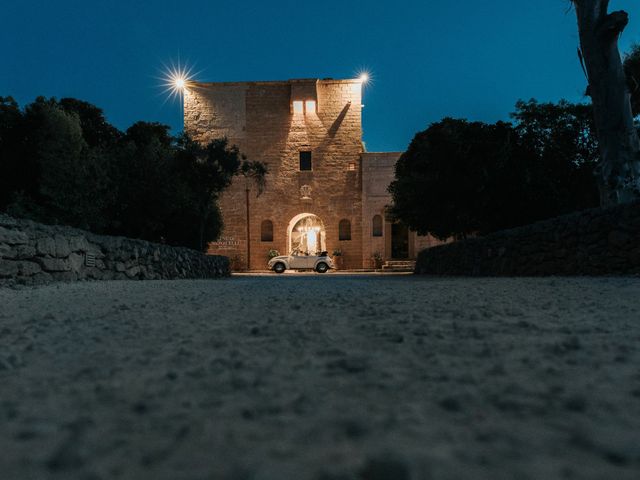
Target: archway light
(306, 232)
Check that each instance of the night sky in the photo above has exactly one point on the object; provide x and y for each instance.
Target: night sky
(428, 59)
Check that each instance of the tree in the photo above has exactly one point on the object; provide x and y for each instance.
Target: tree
(460, 177)
(202, 173)
(66, 181)
(62, 162)
(96, 131)
(619, 170)
(560, 175)
(448, 182)
(141, 170)
(13, 177)
(632, 72)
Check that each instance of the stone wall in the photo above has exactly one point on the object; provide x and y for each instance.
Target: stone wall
(32, 253)
(591, 242)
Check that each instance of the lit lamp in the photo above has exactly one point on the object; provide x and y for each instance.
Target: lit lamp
(364, 78)
(179, 83)
(176, 81)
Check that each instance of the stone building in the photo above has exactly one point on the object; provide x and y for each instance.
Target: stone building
(324, 191)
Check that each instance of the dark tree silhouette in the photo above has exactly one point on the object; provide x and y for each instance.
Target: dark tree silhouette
(65, 181)
(560, 175)
(619, 169)
(141, 173)
(447, 182)
(458, 178)
(97, 132)
(62, 162)
(632, 72)
(203, 173)
(13, 177)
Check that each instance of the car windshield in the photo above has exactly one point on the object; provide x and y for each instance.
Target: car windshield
(298, 253)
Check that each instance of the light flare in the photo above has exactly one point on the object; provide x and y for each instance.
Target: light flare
(176, 80)
(365, 77)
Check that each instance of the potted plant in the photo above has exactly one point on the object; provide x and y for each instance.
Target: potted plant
(377, 260)
(237, 263)
(272, 254)
(337, 258)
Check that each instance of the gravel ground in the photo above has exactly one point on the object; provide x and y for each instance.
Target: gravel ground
(322, 377)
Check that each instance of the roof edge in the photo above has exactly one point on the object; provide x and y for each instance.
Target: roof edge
(276, 82)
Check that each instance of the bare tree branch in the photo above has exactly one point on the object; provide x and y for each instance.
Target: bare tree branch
(614, 24)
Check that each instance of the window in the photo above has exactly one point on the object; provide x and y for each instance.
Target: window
(304, 106)
(310, 106)
(344, 230)
(266, 231)
(305, 160)
(377, 226)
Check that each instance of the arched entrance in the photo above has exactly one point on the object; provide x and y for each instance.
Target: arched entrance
(306, 234)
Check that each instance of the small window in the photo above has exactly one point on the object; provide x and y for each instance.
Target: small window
(351, 167)
(298, 106)
(266, 231)
(344, 230)
(310, 106)
(377, 226)
(305, 161)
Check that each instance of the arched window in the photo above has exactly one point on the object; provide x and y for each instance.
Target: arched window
(344, 229)
(376, 226)
(266, 231)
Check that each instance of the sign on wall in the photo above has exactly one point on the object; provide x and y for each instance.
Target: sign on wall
(226, 243)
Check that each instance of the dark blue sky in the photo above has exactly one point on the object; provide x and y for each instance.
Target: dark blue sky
(428, 59)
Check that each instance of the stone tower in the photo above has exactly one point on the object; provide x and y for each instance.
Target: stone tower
(309, 133)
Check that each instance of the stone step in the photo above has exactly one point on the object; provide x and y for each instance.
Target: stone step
(399, 266)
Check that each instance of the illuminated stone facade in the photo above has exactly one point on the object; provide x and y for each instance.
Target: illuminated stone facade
(322, 191)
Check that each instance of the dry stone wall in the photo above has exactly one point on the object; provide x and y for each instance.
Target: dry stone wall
(591, 242)
(32, 253)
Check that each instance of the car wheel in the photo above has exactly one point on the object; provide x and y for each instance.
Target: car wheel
(322, 267)
(279, 267)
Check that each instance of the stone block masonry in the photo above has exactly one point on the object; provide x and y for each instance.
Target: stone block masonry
(32, 253)
(259, 118)
(601, 241)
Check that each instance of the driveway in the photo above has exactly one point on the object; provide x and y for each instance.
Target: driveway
(322, 377)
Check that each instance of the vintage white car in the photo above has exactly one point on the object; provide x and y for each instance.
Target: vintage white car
(300, 261)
